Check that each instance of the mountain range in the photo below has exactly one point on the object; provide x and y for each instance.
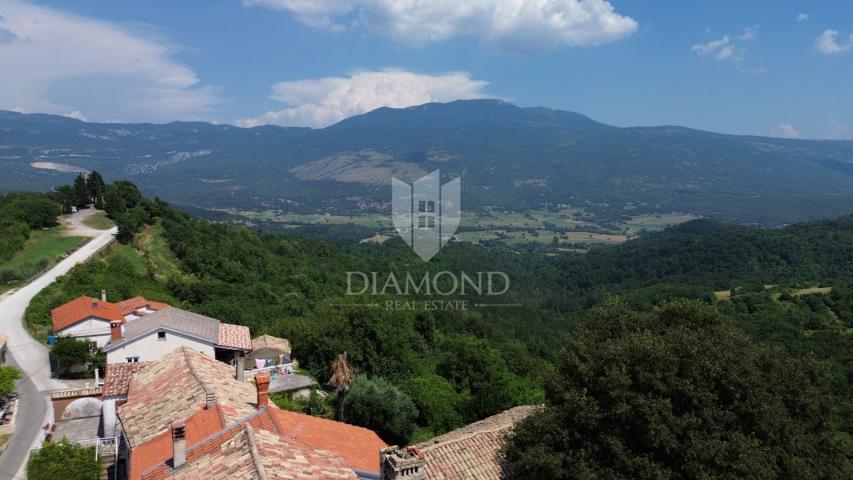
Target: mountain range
(507, 156)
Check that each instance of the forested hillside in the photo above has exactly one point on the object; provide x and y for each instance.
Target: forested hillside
(458, 367)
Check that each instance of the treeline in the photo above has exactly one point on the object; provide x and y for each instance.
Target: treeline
(20, 214)
(458, 367)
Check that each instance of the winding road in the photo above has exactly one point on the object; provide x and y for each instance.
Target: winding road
(31, 356)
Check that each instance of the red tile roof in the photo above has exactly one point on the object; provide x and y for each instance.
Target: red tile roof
(82, 308)
(234, 336)
(131, 305)
(158, 450)
(117, 378)
(359, 446)
(250, 450)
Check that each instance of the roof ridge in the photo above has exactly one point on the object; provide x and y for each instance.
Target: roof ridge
(195, 375)
(253, 450)
(462, 437)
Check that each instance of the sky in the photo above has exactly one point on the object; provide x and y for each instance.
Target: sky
(763, 67)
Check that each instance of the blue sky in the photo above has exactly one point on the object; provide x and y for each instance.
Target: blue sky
(779, 68)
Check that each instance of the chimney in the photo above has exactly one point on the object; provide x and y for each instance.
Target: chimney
(103, 295)
(209, 400)
(402, 464)
(262, 381)
(179, 447)
(240, 367)
(115, 331)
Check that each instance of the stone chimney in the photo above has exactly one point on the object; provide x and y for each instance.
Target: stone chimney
(240, 367)
(179, 446)
(262, 382)
(115, 331)
(209, 400)
(103, 295)
(402, 464)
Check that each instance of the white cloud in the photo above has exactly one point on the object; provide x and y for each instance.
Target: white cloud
(803, 17)
(323, 101)
(724, 48)
(828, 44)
(712, 46)
(75, 114)
(519, 26)
(749, 33)
(785, 131)
(56, 62)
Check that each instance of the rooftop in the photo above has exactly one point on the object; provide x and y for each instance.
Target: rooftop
(82, 308)
(268, 341)
(131, 305)
(473, 451)
(175, 388)
(187, 323)
(359, 446)
(117, 378)
(234, 336)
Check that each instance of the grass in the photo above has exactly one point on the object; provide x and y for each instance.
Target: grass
(4, 441)
(44, 249)
(809, 291)
(99, 221)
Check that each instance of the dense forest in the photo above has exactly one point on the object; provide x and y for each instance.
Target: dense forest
(460, 366)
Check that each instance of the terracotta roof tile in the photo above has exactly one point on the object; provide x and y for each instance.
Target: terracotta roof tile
(117, 378)
(359, 446)
(234, 336)
(243, 452)
(268, 341)
(471, 452)
(175, 387)
(82, 308)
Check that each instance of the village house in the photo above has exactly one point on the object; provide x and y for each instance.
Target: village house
(186, 416)
(471, 452)
(88, 318)
(268, 350)
(155, 335)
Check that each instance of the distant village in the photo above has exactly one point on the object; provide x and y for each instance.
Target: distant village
(186, 396)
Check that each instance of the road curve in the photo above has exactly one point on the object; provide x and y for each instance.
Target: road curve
(31, 357)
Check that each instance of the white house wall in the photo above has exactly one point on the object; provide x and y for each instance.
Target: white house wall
(149, 349)
(92, 328)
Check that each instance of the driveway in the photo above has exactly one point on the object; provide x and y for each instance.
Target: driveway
(31, 356)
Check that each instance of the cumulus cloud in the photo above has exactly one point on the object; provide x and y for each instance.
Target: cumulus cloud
(785, 131)
(749, 33)
(724, 48)
(803, 17)
(323, 101)
(827, 43)
(519, 26)
(56, 62)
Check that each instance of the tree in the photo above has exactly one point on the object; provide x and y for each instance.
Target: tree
(114, 203)
(81, 191)
(129, 224)
(376, 404)
(8, 375)
(340, 379)
(95, 184)
(436, 400)
(63, 460)
(70, 352)
(678, 393)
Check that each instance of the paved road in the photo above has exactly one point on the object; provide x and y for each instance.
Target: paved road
(32, 356)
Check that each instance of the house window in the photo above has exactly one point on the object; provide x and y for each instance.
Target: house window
(161, 336)
(132, 359)
(430, 206)
(421, 206)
